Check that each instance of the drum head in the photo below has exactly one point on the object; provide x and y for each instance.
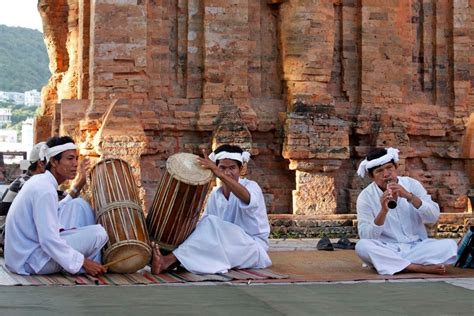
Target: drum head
(185, 168)
(138, 255)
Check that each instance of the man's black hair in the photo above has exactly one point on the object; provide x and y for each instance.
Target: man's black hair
(56, 141)
(374, 154)
(230, 149)
(33, 166)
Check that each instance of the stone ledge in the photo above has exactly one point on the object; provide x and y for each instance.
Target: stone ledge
(304, 244)
(450, 225)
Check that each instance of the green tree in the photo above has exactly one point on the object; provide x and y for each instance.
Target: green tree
(23, 59)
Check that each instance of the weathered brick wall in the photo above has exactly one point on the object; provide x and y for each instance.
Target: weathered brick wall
(307, 86)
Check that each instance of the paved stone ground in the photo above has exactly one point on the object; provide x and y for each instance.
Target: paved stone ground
(383, 298)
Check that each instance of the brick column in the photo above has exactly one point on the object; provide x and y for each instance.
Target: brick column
(316, 141)
(226, 57)
(316, 144)
(117, 54)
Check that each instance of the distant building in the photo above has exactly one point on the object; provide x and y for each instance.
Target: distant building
(5, 116)
(27, 133)
(4, 96)
(12, 150)
(32, 98)
(8, 136)
(15, 97)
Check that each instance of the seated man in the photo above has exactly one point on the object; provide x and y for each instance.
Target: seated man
(234, 229)
(68, 204)
(391, 213)
(34, 165)
(41, 237)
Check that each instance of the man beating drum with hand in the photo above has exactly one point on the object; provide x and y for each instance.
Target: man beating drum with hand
(41, 237)
(234, 229)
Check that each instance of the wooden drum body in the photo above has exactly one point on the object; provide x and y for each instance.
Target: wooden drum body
(115, 199)
(178, 201)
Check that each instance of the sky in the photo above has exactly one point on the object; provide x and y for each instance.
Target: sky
(20, 13)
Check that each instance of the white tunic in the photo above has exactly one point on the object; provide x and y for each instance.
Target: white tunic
(402, 239)
(231, 234)
(32, 233)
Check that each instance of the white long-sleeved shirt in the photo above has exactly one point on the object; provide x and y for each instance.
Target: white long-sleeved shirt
(405, 223)
(32, 229)
(252, 218)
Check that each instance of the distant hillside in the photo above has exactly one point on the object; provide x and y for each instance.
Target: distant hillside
(23, 59)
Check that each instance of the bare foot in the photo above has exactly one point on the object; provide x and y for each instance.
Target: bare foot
(160, 263)
(431, 268)
(157, 259)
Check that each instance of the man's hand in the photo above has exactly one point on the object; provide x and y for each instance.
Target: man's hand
(93, 268)
(229, 184)
(207, 163)
(385, 198)
(398, 191)
(81, 177)
(387, 195)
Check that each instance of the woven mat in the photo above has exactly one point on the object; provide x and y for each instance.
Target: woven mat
(341, 265)
(288, 266)
(140, 278)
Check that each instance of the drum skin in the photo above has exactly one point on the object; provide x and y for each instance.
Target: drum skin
(178, 201)
(115, 199)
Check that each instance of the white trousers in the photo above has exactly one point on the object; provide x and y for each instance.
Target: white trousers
(76, 213)
(80, 232)
(390, 258)
(216, 246)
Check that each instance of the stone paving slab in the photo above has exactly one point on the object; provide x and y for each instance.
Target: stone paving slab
(464, 283)
(426, 298)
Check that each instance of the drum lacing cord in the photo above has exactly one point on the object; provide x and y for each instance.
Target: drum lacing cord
(115, 205)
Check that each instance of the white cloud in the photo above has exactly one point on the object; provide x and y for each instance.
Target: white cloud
(22, 13)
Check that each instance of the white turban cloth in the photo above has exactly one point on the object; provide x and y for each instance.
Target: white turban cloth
(392, 154)
(243, 157)
(47, 152)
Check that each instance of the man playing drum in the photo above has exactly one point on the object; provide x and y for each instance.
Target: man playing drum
(391, 213)
(40, 236)
(234, 229)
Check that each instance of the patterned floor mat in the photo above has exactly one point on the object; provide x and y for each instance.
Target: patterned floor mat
(142, 277)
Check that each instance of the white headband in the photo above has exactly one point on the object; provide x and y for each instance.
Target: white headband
(53, 151)
(243, 157)
(392, 153)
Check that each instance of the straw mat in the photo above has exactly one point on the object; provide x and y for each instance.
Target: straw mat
(142, 277)
(341, 265)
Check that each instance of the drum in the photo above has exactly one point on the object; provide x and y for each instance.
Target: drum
(178, 201)
(115, 199)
